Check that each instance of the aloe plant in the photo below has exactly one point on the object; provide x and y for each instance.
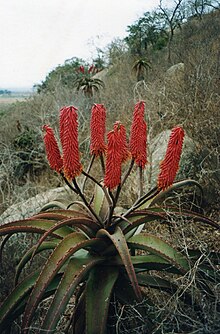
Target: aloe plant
(86, 81)
(94, 252)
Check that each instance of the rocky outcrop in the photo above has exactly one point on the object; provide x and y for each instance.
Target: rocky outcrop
(34, 204)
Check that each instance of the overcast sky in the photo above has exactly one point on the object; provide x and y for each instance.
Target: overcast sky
(38, 35)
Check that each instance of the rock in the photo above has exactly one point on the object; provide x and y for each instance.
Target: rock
(33, 205)
(174, 78)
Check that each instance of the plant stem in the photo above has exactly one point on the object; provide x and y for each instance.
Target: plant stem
(111, 208)
(85, 201)
(87, 172)
(101, 186)
(102, 164)
(69, 185)
(141, 185)
(91, 178)
(127, 173)
(146, 197)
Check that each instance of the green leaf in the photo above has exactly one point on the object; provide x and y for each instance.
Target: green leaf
(33, 226)
(98, 295)
(74, 273)
(14, 305)
(66, 248)
(155, 245)
(54, 204)
(139, 218)
(175, 186)
(121, 246)
(100, 203)
(28, 255)
(146, 262)
(15, 298)
(86, 225)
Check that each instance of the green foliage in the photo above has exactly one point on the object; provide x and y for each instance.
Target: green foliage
(88, 85)
(147, 32)
(140, 66)
(86, 81)
(63, 74)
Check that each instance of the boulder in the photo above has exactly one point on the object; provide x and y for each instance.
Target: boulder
(34, 204)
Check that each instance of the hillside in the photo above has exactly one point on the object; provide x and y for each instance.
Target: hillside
(190, 98)
(178, 78)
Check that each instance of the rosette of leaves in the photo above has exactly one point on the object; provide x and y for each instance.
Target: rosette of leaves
(94, 253)
(86, 82)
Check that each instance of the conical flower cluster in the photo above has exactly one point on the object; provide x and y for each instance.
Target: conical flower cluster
(117, 153)
(169, 166)
(52, 150)
(97, 126)
(69, 140)
(117, 147)
(138, 138)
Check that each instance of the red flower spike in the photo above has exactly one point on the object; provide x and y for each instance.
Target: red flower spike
(52, 149)
(113, 161)
(97, 126)
(82, 69)
(69, 140)
(91, 69)
(120, 129)
(169, 166)
(138, 138)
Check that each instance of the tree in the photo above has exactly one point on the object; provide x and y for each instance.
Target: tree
(148, 31)
(200, 7)
(173, 18)
(63, 75)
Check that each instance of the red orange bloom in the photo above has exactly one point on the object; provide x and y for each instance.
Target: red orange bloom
(169, 166)
(138, 138)
(121, 131)
(52, 149)
(117, 153)
(82, 69)
(97, 126)
(69, 140)
(113, 162)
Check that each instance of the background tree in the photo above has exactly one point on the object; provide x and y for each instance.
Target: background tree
(173, 18)
(148, 32)
(63, 75)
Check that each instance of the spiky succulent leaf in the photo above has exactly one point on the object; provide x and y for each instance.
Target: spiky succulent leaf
(86, 225)
(100, 203)
(28, 255)
(119, 241)
(54, 204)
(74, 273)
(16, 297)
(98, 295)
(33, 226)
(66, 248)
(15, 303)
(155, 245)
(148, 262)
(175, 186)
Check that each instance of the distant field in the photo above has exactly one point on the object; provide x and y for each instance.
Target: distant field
(4, 99)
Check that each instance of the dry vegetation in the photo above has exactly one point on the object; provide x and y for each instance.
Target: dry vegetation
(191, 100)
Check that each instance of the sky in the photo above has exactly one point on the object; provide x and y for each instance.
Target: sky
(38, 35)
